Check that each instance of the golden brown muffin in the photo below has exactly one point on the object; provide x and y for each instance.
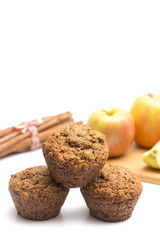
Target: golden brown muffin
(75, 154)
(35, 195)
(113, 194)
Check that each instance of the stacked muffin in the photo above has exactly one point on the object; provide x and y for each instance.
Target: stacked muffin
(35, 195)
(76, 156)
(113, 194)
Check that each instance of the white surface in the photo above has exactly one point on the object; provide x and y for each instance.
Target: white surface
(75, 55)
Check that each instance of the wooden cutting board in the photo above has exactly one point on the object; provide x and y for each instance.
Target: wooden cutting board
(132, 160)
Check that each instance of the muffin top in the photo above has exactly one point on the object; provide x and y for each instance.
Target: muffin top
(76, 145)
(35, 182)
(114, 183)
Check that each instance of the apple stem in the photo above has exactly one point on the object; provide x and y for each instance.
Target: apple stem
(108, 112)
(150, 94)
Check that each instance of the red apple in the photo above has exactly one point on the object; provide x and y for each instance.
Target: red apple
(146, 114)
(118, 126)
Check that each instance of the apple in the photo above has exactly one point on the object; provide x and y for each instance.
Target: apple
(118, 126)
(145, 111)
(152, 157)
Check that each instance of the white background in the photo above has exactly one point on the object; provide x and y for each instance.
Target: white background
(57, 56)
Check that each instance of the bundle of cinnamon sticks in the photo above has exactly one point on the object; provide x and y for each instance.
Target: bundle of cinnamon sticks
(13, 140)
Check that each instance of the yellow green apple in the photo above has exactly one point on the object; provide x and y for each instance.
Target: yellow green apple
(145, 111)
(118, 126)
(152, 157)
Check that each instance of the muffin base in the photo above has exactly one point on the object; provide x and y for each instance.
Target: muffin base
(73, 177)
(38, 209)
(115, 212)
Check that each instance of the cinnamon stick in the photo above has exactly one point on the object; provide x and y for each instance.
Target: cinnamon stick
(26, 143)
(56, 120)
(48, 122)
(6, 131)
(9, 136)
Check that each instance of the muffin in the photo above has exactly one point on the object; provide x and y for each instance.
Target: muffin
(113, 194)
(35, 195)
(75, 154)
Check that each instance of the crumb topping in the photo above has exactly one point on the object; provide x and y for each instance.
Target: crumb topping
(34, 181)
(115, 182)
